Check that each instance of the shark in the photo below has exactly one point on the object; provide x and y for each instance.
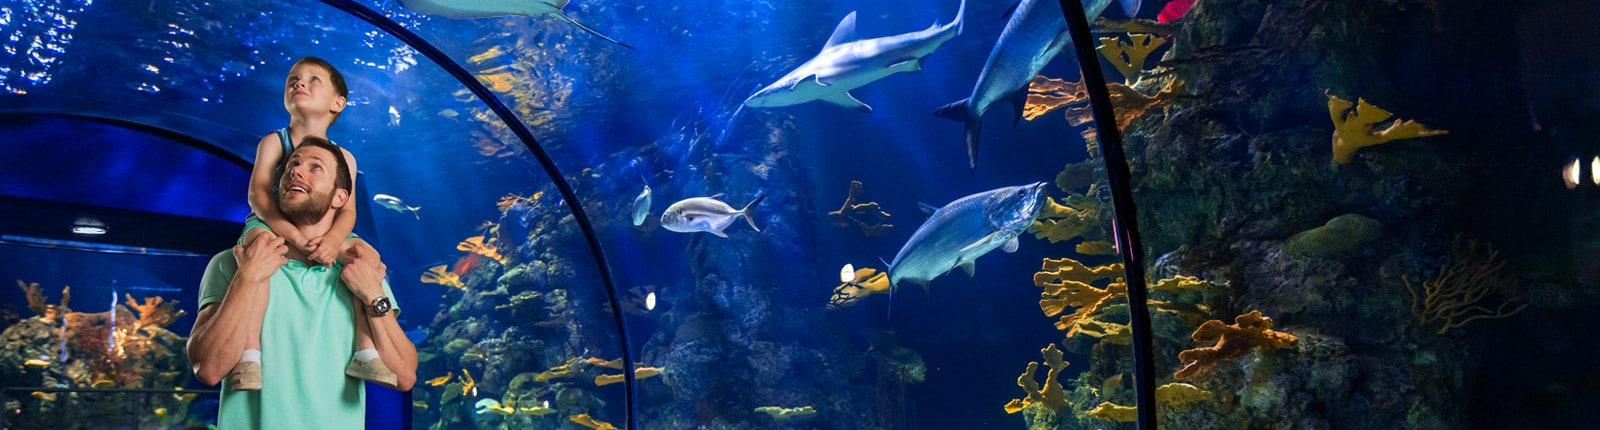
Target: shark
(963, 230)
(1035, 34)
(847, 63)
(492, 8)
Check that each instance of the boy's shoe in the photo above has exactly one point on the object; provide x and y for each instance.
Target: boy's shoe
(372, 370)
(245, 376)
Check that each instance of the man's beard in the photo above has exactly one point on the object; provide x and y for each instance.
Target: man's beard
(308, 211)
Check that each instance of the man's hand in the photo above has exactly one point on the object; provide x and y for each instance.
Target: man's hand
(260, 258)
(363, 275)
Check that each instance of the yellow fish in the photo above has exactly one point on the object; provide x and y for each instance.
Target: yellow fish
(161, 412)
(441, 380)
(34, 362)
(420, 404)
(44, 396)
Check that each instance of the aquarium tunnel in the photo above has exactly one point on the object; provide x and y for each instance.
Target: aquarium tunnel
(883, 214)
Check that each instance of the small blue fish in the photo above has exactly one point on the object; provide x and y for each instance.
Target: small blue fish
(416, 335)
(396, 204)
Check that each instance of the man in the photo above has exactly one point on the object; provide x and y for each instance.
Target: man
(306, 332)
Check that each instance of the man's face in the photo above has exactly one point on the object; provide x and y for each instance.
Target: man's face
(309, 88)
(306, 192)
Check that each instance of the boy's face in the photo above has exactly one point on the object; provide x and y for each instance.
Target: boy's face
(309, 91)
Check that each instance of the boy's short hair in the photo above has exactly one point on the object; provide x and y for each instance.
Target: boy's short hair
(341, 180)
(333, 75)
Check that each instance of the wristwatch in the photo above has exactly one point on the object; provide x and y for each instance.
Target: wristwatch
(379, 307)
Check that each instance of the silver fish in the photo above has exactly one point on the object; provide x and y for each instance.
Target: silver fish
(846, 64)
(960, 232)
(396, 204)
(1035, 34)
(706, 214)
(641, 206)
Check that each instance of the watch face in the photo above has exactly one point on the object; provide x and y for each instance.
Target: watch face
(380, 305)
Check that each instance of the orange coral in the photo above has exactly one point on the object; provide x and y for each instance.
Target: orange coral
(38, 304)
(1046, 94)
(476, 244)
(1051, 395)
(1248, 331)
(1354, 129)
(869, 216)
(153, 312)
(1058, 222)
(437, 275)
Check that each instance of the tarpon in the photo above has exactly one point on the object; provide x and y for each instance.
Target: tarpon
(493, 8)
(846, 64)
(706, 214)
(960, 232)
(1036, 32)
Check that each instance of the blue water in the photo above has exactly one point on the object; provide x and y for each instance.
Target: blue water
(214, 72)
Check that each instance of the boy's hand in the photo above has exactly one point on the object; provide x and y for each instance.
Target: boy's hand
(261, 258)
(293, 238)
(363, 275)
(320, 254)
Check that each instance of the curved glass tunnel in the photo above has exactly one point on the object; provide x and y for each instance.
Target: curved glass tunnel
(1311, 262)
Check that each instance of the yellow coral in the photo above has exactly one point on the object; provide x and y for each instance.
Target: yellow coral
(868, 282)
(640, 373)
(1098, 247)
(1046, 94)
(1354, 130)
(869, 216)
(609, 364)
(562, 371)
(467, 384)
(587, 421)
(1174, 396)
(783, 414)
(1068, 283)
(1129, 56)
(153, 312)
(1465, 278)
(1051, 395)
(438, 275)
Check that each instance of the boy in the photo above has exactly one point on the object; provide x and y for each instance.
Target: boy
(314, 94)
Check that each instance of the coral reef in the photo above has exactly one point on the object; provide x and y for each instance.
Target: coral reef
(780, 413)
(869, 216)
(138, 352)
(438, 275)
(1357, 129)
(1249, 331)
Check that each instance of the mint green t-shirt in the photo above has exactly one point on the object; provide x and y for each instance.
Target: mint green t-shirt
(307, 338)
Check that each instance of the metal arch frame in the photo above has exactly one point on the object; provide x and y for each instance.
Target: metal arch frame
(521, 130)
(1126, 226)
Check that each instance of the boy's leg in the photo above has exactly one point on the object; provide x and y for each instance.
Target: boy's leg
(246, 374)
(365, 364)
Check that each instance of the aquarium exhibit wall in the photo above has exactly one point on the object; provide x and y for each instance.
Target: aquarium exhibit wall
(839, 215)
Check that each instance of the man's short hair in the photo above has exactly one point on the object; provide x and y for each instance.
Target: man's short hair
(342, 178)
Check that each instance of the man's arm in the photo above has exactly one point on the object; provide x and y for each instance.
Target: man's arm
(363, 275)
(218, 338)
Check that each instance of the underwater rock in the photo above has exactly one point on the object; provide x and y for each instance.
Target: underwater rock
(1342, 235)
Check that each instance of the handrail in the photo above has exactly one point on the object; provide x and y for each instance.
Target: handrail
(521, 130)
(1126, 225)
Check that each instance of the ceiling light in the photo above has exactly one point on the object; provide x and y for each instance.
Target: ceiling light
(1571, 175)
(88, 226)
